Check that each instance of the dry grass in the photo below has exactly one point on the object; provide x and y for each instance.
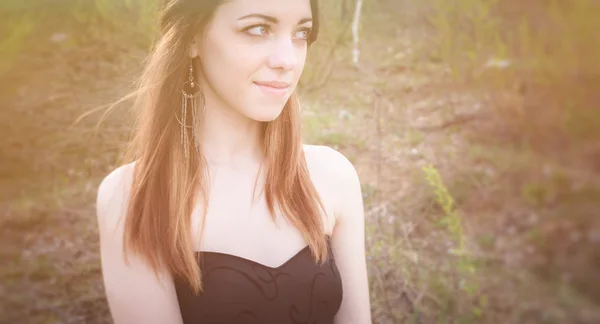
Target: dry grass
(480, 205)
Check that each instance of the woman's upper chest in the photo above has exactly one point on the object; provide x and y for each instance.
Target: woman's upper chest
(239, 221)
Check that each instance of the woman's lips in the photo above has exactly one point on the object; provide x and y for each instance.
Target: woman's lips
(273, 88)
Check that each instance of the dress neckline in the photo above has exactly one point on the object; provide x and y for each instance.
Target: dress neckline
(243, 259)
(237, 257)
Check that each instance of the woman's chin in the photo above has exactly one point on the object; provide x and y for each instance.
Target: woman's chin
(266, 114)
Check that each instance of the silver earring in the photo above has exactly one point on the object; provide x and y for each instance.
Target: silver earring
(190, 93)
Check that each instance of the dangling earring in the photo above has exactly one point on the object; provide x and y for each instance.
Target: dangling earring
(191, 92)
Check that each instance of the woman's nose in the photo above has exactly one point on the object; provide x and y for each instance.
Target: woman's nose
(284, 54)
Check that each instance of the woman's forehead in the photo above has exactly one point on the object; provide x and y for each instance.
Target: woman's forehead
(283, 10)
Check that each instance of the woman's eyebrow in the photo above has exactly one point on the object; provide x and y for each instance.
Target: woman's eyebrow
(272, 19)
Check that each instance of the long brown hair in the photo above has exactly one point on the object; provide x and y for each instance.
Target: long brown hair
(165, 184)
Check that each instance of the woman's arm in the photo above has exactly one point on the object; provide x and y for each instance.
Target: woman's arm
(134, 293)
(348, 238)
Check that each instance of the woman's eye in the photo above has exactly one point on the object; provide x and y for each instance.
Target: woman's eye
(304, 33)
(258, 30)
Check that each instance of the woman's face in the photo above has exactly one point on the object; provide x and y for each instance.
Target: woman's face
(253, 53)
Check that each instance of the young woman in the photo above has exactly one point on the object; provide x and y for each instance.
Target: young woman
(223, 215)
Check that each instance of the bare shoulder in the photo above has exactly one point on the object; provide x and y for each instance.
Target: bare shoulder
(133, 291)
(328, 159)
(336, 170)
(113, 193)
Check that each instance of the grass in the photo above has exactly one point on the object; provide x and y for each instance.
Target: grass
(480, 181)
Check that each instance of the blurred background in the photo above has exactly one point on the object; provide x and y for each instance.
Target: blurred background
(474, 126)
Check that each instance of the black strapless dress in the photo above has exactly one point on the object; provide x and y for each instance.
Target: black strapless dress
(242, 291)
